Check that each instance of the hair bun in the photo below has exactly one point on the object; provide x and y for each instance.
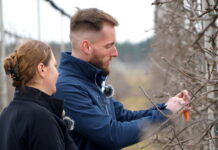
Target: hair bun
(11, 66)
(13, 72)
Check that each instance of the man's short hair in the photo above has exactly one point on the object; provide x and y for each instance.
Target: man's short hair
(90, 19)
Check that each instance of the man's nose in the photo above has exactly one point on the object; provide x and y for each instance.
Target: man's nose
(114, 52)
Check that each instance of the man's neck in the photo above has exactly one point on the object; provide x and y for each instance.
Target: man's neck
(75, 54)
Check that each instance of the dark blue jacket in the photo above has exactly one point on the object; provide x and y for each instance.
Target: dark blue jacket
(33, 121)
(101, 123)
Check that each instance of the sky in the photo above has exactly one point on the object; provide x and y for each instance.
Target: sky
(135, 17)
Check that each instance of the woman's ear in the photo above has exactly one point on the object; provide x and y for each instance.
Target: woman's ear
(41, 69)
(86, 47)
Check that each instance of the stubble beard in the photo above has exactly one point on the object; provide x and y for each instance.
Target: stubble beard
(99, 64)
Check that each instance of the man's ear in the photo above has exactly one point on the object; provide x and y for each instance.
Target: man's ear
(85, 47)
(41, 70)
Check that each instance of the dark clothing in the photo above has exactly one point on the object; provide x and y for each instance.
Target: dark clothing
(101, 122)
(33, 121)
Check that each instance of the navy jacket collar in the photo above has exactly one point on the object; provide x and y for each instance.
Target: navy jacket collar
(80, 67)
(30, 94)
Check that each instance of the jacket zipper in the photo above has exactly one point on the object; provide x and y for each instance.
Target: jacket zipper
(104, 100)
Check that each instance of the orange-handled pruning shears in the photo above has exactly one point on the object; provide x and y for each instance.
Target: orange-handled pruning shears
(185, 112)
(186, 115)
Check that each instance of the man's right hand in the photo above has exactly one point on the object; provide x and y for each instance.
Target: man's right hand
(176, 103)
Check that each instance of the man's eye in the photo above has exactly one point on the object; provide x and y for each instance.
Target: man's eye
(109, 46)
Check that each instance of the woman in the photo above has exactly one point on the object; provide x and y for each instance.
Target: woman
(33, 120)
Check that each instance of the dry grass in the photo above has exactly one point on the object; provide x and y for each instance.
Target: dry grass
(136, 100)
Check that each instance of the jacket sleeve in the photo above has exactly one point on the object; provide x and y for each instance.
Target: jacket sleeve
(99, 127)
(127, 115)
(44, 133)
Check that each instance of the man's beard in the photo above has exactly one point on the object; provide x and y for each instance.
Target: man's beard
(100, 65)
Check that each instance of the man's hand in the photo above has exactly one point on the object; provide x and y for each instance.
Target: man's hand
(174, 104)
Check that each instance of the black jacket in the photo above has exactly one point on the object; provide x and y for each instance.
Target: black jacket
(33, 121)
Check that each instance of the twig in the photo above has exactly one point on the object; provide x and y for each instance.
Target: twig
(205, 29)
(177, 138)
(148, 97)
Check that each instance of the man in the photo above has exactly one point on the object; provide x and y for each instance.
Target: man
(101, 122)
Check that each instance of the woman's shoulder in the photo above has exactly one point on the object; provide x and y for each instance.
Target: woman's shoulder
(30, 110)
(26, 116)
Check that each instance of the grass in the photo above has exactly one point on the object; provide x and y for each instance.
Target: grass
(136, 100)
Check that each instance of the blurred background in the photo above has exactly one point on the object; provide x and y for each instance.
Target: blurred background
(49, 21)
(164, 46)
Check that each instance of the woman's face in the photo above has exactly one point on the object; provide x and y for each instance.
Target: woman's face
(51, 75)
